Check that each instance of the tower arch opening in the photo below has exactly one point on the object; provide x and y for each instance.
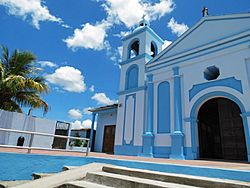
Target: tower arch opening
(153, 49)
(134, 49)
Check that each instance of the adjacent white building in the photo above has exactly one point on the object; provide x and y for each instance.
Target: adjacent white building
(23, 122)
(190, 100)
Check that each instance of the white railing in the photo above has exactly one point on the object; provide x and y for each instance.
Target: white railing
(44, 134)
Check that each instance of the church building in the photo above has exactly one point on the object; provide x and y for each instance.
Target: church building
(190, 100)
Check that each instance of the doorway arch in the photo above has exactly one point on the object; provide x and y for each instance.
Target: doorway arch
(194, 153)
(220, 130)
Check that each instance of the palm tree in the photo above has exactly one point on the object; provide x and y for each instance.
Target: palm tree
(20, 84)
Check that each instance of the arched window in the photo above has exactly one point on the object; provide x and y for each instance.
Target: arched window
(132, 77)
(134, 49)
(153, 49)
(163, 107)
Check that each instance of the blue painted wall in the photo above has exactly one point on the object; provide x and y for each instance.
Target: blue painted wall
(132, 77)
(163, 118)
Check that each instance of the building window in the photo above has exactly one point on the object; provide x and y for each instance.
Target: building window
(211, 73)
(163, 107)
(134, 49)
(132, 77)
(153, 49)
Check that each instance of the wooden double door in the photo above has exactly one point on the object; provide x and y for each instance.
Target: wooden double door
(108, 139)
(221, 131)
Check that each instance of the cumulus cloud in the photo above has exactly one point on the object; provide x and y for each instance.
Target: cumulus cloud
(33, 10)
(119, 49)
(47, 64)
(75, 113)
(86, 111)
(130, 12)
(68, 78)
(123, 34)
(76, 125)
(166, 44)
(92, 88)
(89, 37)
(102, 99)
(177, 28)
(86, 124)
(115, 54)
(158, 10)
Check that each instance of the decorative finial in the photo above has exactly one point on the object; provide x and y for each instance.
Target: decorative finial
(205, 12)
(144, 22)
(143, 17)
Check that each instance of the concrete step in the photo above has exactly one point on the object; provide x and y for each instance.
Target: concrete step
(5, 184)
(176, 178)
(61, 178)
(41, 175)
(82, 184)
(69, 167)
(122, 181)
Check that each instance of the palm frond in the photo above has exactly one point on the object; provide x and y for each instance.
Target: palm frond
(31, 99)
(11, 106)
(5, 55)
(20, 84)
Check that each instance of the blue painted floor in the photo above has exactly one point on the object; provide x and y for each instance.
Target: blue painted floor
(21, 166)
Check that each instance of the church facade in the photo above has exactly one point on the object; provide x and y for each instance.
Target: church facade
(190, 100)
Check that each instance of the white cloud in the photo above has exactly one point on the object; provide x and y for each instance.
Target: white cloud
(120, 48)
(177, 28)
(86, 111)
(68, 78)
(130, 12)
(76, 125)
(92, 88)
(86, 124)
(33, 10)
(166, 44)
(123, 34)
(75, 113)
(115, 54)
(89, 37)
(102, 99)
(159, 9)
(47, 64)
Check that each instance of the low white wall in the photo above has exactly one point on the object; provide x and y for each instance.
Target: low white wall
(19, 121)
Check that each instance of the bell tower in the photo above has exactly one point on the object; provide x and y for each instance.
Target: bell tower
(139, 47)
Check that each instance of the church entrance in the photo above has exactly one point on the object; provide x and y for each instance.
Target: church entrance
(221, 131)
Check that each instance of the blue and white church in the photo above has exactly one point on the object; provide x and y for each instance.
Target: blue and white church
(190, 100)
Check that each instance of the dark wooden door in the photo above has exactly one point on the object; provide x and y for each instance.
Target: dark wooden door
(232, 131)
(221, 131)
(209, 131)
(108, 139)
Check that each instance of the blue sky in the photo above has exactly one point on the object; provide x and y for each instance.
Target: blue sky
(78, 43)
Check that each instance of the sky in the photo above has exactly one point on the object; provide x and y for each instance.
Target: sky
(78, 43)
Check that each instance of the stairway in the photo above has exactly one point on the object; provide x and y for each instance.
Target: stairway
(98, 175)
(35, 176)
(121, 177)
